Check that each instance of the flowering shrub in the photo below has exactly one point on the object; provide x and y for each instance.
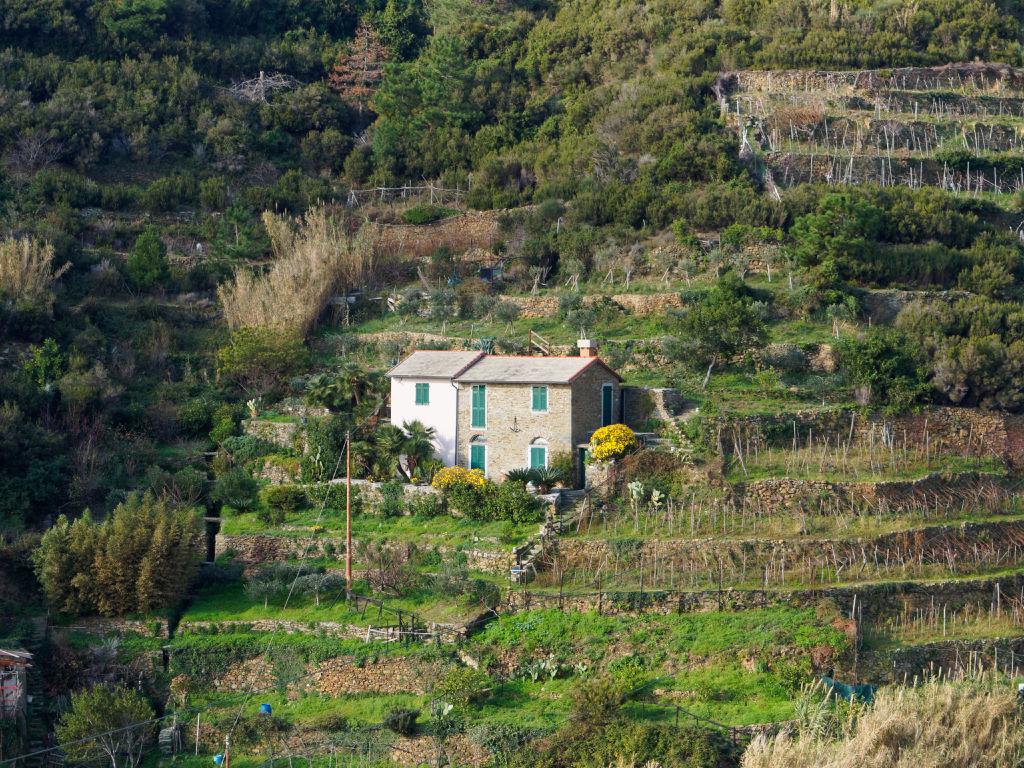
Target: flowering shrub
(458, 477)
(611, 442)
(469, 494)
(318, 529)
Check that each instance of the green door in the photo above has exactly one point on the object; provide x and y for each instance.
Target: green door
(538, 457)
(606, 405)
(478, 457)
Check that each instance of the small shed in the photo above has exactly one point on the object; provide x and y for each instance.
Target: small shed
(13, 673)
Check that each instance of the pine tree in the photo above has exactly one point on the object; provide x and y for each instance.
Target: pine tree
(357, 74)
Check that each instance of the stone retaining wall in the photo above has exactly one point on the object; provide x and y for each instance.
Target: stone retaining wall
(985, 76)
(262, 548)
(962, 431)
(996, 542)
(873, 601)
(102, 626)
(631, 303)
(783, 492)
(278, 432)
(642, 404)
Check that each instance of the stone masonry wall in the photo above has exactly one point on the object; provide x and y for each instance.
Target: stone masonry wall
(938, 545)
(645, 403)
(258, 548)
(102, 626)
(873, 601)
(949, 77)
(512, 425)
(783, 492)
(586, 401)
(632, 303)
(278, 432)
(961, 431)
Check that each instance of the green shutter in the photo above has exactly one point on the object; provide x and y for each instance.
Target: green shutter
(540, 398)
(538, 457)
(479, 418)
(477, 457)
(606, 406)
(423, 394)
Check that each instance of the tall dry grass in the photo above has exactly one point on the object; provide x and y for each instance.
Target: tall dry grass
(314, 259)
(973, 723)
(26, 272)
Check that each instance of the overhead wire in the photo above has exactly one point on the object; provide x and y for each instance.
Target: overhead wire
(245, 696)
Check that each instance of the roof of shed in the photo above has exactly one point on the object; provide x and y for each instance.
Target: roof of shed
(434, 364)
(20, 657)
(499, 369)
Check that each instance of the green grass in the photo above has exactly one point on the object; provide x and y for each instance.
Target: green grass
(707, 656)
(442, 530)
(228, 602)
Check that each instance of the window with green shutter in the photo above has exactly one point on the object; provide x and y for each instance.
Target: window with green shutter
(479, 417)
(478, 457)
(607, 396)
(423, 394)
(540, 398)
(538, 457)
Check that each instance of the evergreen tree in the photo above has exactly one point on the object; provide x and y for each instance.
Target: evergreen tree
(147, 264)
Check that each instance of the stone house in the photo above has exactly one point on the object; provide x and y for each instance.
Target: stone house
(497, 413)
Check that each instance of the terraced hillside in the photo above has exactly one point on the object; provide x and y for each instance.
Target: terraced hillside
(958, 127)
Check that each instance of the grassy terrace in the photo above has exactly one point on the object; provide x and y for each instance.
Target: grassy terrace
(707, 524)
(228, 602)
(736, 667)
(442, 530)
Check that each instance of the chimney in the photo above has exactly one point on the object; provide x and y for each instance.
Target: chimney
(588, 347)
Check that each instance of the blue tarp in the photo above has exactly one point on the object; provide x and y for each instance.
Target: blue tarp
(865, 693)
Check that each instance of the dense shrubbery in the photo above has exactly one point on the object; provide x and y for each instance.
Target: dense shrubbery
(587, 746)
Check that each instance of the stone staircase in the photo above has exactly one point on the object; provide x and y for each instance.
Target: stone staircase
(38, 734)
(673, 437)
(563, 506)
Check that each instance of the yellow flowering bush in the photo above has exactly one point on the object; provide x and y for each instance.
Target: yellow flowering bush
(611, 442)
(458, 477)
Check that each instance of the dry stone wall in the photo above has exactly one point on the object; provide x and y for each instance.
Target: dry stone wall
(977, 75)
(101, 626)
(631, 303)
(278, 432)
(641, 404)
(960, 431)
(252, 549)
(784, 493)
(873, 601)
(964, 547)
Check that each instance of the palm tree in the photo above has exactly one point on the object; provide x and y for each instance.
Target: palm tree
(352, 379)
(390, 443)
(328, 391)
(419, 445)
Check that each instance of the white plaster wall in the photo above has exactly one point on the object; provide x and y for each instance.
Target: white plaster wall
(441, 413)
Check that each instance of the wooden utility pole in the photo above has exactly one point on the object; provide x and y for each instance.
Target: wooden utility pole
(348, 514)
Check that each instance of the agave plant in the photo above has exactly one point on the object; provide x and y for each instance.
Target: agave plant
(521, 476)
(546, 478)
